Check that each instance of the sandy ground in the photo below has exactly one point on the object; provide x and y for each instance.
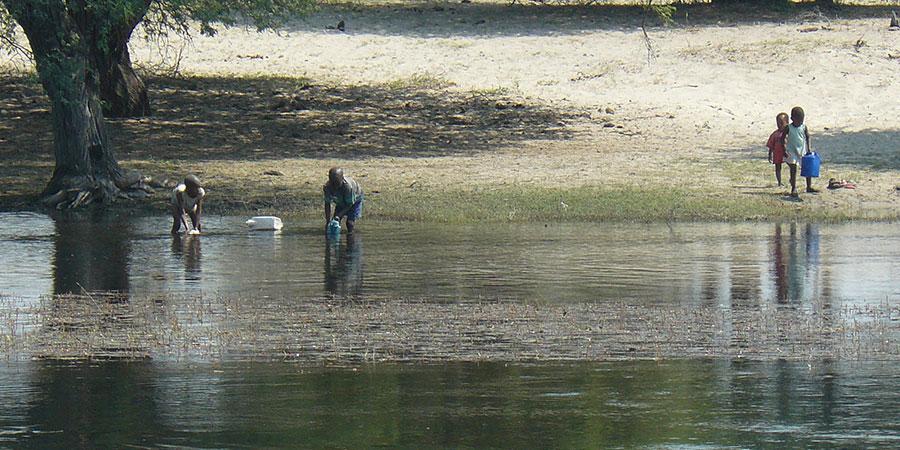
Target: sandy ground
(704, 94)
(691, 106)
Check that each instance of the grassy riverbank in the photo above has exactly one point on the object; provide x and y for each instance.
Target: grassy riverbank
(510, 113)
(532, 163)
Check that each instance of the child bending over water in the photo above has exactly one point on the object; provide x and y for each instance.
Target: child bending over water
(187, 202)
(346, 195)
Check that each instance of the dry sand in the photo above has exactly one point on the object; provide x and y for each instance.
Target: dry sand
(708, 93)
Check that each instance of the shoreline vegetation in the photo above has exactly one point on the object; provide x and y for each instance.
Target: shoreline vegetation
(348, 332)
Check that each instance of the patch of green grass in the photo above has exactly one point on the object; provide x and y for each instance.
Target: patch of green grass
(418, 81)
(498, 91)
(608, 204)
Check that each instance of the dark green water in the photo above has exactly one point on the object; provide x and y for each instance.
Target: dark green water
(669, 404)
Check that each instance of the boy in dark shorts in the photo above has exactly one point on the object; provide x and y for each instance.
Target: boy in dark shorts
(187, 205)
(346, 195)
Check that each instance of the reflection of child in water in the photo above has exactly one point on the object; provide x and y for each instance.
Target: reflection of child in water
(187, 202)
(343, 266)
(776, 144)
(187, 248)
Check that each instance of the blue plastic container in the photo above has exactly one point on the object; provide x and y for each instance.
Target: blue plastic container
(334, 228)
(809, 166)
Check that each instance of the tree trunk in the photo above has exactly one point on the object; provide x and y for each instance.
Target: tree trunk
(122, 91)
(86, 169)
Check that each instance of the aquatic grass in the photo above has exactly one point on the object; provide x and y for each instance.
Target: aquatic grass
(348, 331)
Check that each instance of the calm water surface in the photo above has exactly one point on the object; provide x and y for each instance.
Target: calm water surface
(670, 404)
(721, 263)
(658, 404)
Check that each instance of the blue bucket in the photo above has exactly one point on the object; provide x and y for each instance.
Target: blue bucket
(334, 228)
(809, 166)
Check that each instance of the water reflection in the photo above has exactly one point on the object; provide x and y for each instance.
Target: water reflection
(343, 265)
(796, 268)
(640, 404)
(91, 253)
(780, 265)
(82, 404)
(187, 249)
(719, 265)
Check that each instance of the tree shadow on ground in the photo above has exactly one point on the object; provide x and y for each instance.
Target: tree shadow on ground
(273, 118)
(530, 18)
(865, 149)
(869, 149)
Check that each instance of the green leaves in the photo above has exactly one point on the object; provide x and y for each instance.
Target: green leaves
(177, 15)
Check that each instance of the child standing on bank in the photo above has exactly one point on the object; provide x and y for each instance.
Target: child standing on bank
(187, 202)
(776, 144)
(796, 144)
(346, 195)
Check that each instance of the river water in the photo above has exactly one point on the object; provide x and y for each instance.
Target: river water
(721, 263)
(693, 404)
(690, 403)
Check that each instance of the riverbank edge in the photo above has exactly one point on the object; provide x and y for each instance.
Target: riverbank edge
(510, 203)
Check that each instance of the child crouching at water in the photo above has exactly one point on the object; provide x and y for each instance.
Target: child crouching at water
(187, 202)
(346, 195)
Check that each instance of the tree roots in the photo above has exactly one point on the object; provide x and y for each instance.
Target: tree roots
(80, 192)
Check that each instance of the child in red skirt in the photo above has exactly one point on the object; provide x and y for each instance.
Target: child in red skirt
(776, 144)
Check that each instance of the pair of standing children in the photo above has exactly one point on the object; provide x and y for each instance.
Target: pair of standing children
(787, 144)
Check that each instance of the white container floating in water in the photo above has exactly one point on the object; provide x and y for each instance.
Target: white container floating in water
(266, 223)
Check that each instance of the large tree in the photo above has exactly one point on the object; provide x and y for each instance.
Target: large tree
(80, 50)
